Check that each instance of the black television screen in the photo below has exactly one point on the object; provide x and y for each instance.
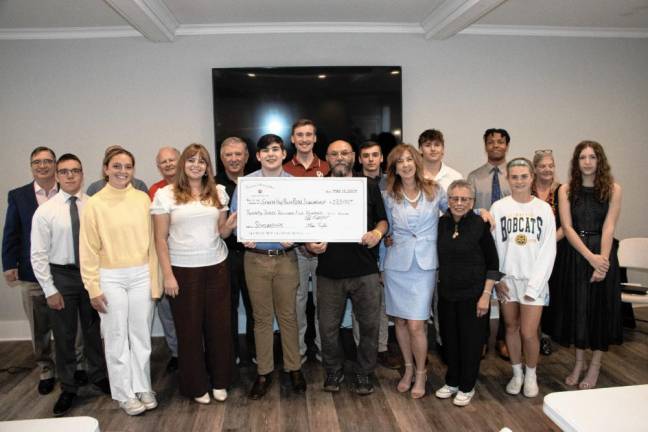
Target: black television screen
(354, 103)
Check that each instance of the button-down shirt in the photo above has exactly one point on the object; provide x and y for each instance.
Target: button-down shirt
(482, 179)
(51, 238)
(317, 168)
(43, 195)
(234, 208)
(447, 175)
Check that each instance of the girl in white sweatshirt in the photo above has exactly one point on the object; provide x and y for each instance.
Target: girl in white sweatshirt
(525, 237)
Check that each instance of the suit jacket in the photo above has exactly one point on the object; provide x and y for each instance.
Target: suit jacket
(414, 242)
(16, 241)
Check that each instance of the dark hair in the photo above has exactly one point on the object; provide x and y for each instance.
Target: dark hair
(181, 187)
(369, 143)
(41, 149)
(268, 139)
(68, 157)
(431, 135)
(303, 122)
(603, 180)
(502, 132)
(111, 154)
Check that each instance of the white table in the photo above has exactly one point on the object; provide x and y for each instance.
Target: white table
(613, 409)
(64, 424)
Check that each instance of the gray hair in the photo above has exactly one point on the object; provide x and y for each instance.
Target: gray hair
(233, 140)
(462, 184)
(177, 152)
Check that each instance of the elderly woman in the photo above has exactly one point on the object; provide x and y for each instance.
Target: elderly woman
(190, 217)
(468, 270)
(546, 188)
(120, 271)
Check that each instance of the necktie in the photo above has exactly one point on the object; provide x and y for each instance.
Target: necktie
(496, 192)
(74, 217)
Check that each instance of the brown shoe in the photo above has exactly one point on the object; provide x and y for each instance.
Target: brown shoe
(390, 361)
(297, 380)
(260, 386)
(502, 350)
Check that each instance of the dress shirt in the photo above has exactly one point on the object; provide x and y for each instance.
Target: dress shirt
(234, 208)
(482, 179)
(43, 195)
(447, 175)
(51, 238)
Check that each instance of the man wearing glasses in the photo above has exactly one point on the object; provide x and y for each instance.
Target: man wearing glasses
(16, 263)
(55, 260)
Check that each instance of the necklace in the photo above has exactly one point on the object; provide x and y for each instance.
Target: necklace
(455, 234)
(415, 199)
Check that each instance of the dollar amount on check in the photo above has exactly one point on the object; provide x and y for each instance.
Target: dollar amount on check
(302, 209)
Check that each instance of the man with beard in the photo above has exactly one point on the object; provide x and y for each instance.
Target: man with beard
(350, 270)
(490, 185)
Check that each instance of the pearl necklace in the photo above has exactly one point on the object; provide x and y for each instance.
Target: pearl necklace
(416, 198)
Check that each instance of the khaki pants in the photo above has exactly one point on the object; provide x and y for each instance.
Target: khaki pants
(272, 283)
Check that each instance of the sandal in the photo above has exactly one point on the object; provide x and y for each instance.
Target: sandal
(417, 392)
(589, 382)
(572, 378)
(405, 382)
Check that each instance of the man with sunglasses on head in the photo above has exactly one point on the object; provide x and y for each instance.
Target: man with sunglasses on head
(55, 260)
(16, 263)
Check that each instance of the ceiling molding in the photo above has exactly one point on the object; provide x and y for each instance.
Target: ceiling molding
(453, 16)
(68, 33)
(152, 18)
(298, 27)
(549, 31)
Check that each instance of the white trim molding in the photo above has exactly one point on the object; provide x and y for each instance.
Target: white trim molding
(298, 27)
(152, 18)
(453, 16)
(68, 33)
(549, 31)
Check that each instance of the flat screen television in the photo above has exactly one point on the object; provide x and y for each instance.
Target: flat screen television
(354, 103)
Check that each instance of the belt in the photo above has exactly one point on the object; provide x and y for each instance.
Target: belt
(271, 252)
(65, 266)
(583, 233)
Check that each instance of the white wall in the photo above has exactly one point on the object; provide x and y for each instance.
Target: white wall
(84, 95)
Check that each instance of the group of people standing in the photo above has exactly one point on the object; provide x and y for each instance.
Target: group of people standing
(434, 242)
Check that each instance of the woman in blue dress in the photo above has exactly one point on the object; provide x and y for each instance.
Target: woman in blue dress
(413, 206)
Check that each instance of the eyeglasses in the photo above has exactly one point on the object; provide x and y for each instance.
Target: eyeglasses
(44, 162)
(457, 199)
(336, 155)
(67, 172)
(543, 152)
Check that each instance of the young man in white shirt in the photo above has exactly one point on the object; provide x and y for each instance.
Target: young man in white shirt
(55, 260)
(432, 147)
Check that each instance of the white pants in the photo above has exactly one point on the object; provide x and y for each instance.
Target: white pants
(307, 266)
(126, 329)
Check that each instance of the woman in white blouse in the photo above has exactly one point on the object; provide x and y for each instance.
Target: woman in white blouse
(190, 217)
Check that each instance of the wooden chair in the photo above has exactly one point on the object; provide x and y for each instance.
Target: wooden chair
(633, 255)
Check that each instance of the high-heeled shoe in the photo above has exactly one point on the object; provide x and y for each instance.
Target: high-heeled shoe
(418, 393)
(572, 378)
(405, 383)
(589, 382)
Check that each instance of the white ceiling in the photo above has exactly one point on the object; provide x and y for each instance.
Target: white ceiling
(437, 19)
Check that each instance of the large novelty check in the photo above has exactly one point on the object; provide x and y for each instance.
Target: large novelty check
(301, 209)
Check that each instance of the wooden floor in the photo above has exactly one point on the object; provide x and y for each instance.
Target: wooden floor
(280, 410)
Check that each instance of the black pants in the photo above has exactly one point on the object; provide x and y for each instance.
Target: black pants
(64, 325)
(462, 335)
(238, 286)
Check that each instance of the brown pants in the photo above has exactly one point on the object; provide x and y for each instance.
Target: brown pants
(201, 312)
(272, 284)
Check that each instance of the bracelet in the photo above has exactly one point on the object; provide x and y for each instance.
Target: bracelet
(487, 292)
(380, 235)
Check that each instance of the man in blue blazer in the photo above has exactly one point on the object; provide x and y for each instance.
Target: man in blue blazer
(16, 262)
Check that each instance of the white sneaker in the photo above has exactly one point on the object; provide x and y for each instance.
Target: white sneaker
(204, 399)
(148, 400)
(446, 392)
(515, 385)
(220, 394)
(530, 387)
(132, 407)
(463, 399)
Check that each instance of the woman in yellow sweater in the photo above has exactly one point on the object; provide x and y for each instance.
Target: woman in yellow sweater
(120, 271)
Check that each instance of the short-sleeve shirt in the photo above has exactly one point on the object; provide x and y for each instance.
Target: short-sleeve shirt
(317, 168)
(194, 240)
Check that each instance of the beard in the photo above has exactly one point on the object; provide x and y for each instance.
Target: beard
(341, 169)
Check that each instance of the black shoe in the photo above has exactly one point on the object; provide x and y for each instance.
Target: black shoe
(333, 380)
(45, 386)
(104, 385)
(260, 386)
(363, 385)
(172, 366)
(64, 403)
(297, 380)
(545, 346)
(81, 378)
(389, 360)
